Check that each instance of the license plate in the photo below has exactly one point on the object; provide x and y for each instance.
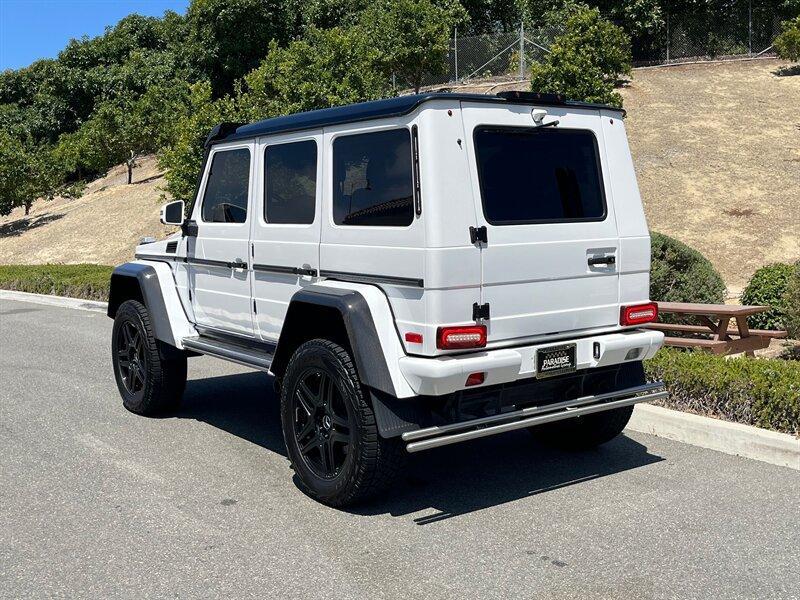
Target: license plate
(555, 360)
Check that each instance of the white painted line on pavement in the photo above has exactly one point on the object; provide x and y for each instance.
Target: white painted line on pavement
(78, 303)
(731, 438)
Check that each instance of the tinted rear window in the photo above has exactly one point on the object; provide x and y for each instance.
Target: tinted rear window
(290, 183)
(539, 175)
(373, 182)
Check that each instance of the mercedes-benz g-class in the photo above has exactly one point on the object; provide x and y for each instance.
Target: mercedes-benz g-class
(414, 272)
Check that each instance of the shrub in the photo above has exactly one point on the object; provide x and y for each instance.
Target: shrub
(767, 288)
(791, 304)
(760, 392)
(787, 44)
(585, 62)
(679, 273)
(77, 281)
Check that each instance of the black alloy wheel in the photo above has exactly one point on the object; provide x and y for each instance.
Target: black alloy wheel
(322, 423)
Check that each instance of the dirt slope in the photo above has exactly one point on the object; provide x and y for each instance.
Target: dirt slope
(103, 226)
(716, 148)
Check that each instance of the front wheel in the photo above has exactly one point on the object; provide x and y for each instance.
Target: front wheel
(148, 383)
(329, 428)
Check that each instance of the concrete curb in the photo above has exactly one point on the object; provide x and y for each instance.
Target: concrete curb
(62, 301)
(731, 438)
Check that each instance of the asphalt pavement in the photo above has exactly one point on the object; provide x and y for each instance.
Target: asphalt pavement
(96, 502)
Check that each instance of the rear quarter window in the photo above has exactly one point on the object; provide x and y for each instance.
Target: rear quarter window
(539, 175)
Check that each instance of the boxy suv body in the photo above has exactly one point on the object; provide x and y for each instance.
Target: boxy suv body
(414, 272)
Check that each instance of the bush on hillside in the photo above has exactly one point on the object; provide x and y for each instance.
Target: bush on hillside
(760, 392)
(791, 304)
(787, 44)
(767, 287)
(585, 62)
(679, 273)
(76, 281)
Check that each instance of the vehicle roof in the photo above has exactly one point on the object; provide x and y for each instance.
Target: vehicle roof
(377, 109)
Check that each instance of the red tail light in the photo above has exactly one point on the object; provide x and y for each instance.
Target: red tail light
(459, 338)
(638, 314)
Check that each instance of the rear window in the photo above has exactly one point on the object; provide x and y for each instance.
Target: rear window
(372, 179)
(539, 175)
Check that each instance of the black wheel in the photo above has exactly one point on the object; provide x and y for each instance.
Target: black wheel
(148, 383)
(329, 428)
(589, 431)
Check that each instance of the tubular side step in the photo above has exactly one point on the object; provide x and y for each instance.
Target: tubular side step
(255, 358)
(433, 437)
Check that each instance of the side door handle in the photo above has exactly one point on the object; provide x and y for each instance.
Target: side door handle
(238, 264)
(595, 261)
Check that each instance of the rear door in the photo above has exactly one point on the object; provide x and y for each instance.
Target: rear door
(285, 250)
(549, 262)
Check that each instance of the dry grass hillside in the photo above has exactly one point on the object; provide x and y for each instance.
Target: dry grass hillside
(103, 226)
(716, 148)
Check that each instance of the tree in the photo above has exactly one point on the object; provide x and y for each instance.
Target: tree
(228, 38)
(325, 68)
(585, 62)
(183, 157)
(26, 173)
(412, 37)
(787, 44)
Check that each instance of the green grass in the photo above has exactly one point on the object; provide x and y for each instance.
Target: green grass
(761, 392)
(77, 281)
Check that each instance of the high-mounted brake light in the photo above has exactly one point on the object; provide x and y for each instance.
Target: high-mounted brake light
(638, 314)
(459, 338)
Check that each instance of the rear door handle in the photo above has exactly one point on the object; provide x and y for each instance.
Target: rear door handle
(238, 264)
(601, 260)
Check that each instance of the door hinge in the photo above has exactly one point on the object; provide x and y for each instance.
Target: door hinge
(480, 311)
(478, 234)
(255, 310)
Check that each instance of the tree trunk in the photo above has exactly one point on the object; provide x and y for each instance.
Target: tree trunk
(28, 207)
(131, 162)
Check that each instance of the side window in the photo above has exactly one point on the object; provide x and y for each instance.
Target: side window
(225, 198)
(372, 179)
(290, 183)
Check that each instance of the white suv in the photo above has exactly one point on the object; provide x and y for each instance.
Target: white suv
(414, 272)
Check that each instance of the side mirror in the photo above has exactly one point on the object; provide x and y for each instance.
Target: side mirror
(172, 213)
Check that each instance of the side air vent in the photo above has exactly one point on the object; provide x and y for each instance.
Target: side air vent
(172, 247)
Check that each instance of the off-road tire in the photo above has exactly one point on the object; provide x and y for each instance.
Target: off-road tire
(162, 380)
(370, 463)
(589, 431)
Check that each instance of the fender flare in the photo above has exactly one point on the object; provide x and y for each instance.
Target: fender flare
(368, 323)
(153, 284)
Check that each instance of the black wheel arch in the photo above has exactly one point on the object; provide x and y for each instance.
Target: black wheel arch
(343, 316)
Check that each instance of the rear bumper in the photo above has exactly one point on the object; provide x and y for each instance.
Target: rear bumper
(453, 433)
(447, 374)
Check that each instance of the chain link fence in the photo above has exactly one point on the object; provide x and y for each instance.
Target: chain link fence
(746, 28)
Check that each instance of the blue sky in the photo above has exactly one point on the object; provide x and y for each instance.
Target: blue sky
(34, 29)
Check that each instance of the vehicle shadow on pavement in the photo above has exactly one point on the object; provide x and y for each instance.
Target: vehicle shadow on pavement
(452, 481)
(244, 405)
(471, 476)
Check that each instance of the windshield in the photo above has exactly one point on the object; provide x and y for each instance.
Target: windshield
(539, 175)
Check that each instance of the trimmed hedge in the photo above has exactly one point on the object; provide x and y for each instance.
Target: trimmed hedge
(679, 273)
(760, 392)
(791, 301)
(767, 287)
(78, 281)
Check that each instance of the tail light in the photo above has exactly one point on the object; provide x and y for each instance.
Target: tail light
(459, 338)
(638, 314)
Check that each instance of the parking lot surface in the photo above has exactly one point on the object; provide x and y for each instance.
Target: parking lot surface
(98, 502)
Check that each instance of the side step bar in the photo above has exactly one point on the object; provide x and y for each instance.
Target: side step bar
(255, 358)
(433, 437)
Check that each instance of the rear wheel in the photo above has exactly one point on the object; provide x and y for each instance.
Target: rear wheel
(589, 431)
(148, 383)
(329, 428)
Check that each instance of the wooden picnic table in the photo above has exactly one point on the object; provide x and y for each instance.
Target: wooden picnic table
(715, 320)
